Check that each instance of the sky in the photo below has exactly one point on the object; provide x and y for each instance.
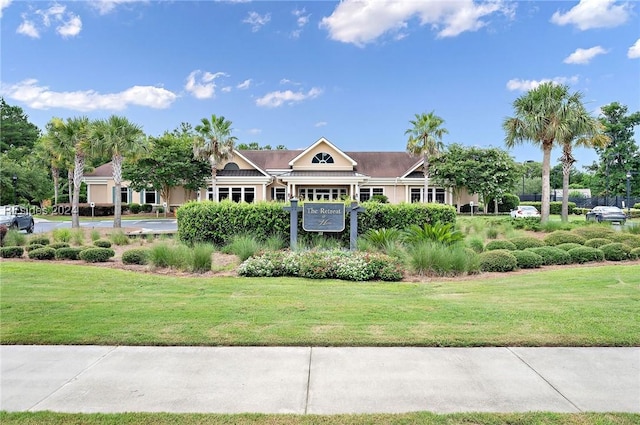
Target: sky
(290, 72)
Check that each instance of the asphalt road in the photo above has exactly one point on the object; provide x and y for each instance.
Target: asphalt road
(147, 225)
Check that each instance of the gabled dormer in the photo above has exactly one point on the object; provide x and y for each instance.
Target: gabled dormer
(322, 156)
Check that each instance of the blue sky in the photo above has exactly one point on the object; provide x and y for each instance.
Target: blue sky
(290, 72)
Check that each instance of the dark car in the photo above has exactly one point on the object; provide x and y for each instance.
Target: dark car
(612, 214)
(16, 217)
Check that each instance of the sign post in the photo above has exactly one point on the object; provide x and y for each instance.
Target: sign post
(471, 205)
(93, 206)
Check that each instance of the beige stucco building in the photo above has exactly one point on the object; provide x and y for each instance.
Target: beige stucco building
(320, 172)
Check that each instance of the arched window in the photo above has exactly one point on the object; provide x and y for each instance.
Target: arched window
(322, 158)
(231, 166)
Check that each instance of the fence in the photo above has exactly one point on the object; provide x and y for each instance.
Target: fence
(582, 202)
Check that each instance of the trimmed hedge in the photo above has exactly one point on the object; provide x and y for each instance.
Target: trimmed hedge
(527, 259)
(499, 260)
(11, 251)
(102, 243)
(525, 242)
(554, 207)
(45, 253)
(616, 251)
(59, 245)
(597, 242)
(40, 240)
(552, 255)
(633, 241)
(568, 246)
(563, 236)
(586, 254)
(634, 254)
(218, 222)
(33, 246)
(96, 255)
(594, 230)
(135, 256)
(500, 244)
(68, 253)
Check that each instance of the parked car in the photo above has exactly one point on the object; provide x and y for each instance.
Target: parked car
(603, 213)
(16, 217)
(523, 211)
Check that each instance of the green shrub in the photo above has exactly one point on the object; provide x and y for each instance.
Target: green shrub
(96, 255)
(11, 251)
(62, 234)
(102, 243)
(508, 202)
(14, 238)
(634, 254)
(40, 240)
(586, 254)
(528, 223)
(492, 233)
(594, 231)
(616, 251)
(597, 242)
(33, 246)
(95, 235)
(160, 255)
(433, 258)
(633, 228)
(475, 243)
(135, 256)
(119, 238)
(147, 208)
(68, 253)
(382, 239)
(499, 260)
(44, 253)
(443, 233)
(567, 246)
(77, 236)
(631, 240)
(524, 242)
(58, 245)
(552, 255)
(135, 208)
(527, 259)
(274, 243)
(500, 244)
(562, 236)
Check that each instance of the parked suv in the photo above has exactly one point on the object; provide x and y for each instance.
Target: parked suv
(16, 217)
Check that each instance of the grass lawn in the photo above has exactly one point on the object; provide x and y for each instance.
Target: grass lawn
(422, 418)
(48, 303)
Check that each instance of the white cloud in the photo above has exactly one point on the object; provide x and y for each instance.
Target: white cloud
(363, 21)
(107, 6)
(634, 51)
(28, 28)
(517, 84)
(254, 131)
(590, 14)
(257, 21)
(301, 21)
(202, 84)
(278, 98)
(321, 124)
(68, 24)
(3, 5)
(584, 56)
(41, 97)
(288, 81)
(244, 85)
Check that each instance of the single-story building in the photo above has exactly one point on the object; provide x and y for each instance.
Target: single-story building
(320, 172)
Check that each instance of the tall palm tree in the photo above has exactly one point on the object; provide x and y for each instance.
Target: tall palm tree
(543, 116)
(119, 138)
(585, 131)
(214, 143)
(425, 140)
(72, 138)
(47, 149)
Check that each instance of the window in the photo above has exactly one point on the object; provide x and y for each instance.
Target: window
(321, 194)
(124, 195)
(236, 194)
(416, 194)
(231, 166)
(367, 193)
(150, 196)
(279, 193)
(440, 196)
(322, 158)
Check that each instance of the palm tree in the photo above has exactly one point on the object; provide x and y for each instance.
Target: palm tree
(72, 139)
(47, 149)
(585, 131)
(425, 139)
(543, 116)
(120, 138)
(214, 143)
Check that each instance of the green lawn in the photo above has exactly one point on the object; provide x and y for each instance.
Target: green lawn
(49, 303)
(422, 418)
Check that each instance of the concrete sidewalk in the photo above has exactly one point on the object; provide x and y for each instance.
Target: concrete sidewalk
(318, 380)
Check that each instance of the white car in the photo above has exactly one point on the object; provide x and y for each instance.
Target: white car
(523, 211)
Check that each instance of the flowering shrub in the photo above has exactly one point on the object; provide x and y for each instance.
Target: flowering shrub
(333, 264)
